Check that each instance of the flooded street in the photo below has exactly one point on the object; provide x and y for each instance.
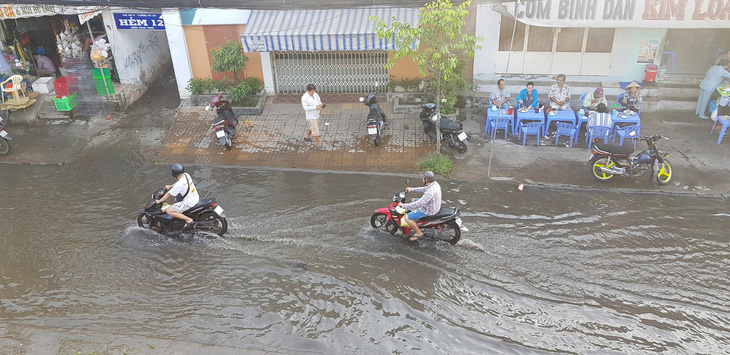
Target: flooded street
(301, 270)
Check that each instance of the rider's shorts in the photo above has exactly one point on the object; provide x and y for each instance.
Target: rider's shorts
(415, 215)
(181, 206)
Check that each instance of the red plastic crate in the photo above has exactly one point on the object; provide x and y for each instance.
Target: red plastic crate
(65, 85)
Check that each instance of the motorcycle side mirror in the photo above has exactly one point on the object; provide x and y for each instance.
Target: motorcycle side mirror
(434, 118)
(362, 99)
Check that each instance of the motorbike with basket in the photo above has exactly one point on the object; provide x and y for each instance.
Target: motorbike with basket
(609, 160)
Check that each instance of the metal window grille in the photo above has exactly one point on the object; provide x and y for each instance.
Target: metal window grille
(331, 72)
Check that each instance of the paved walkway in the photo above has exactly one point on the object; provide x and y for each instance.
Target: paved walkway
(274, 139)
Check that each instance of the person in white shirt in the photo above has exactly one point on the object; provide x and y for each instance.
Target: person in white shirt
(185, 194)
(312, 105)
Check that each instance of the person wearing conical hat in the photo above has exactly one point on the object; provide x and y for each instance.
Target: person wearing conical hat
(632, 99)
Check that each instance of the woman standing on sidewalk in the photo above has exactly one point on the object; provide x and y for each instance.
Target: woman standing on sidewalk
(713, 78)
(312, 105)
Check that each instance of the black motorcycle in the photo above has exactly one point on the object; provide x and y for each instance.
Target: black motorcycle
(452, 132)
(207, 216)
(376, 118)
(4, 135)
(225, 121)
(609, 160)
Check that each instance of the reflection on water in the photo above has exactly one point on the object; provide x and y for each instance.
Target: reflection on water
(301, 270)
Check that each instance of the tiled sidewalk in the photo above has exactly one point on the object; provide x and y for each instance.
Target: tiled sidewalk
(274, 139)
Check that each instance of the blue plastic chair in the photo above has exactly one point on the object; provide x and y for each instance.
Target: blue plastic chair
(618, 99)
(583, 97)
(500, 123)
(724, 121)
(531, 128)
(598, 132)
(566, 129)
(625, 132)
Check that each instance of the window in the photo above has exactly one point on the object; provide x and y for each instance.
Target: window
(505, 34)
(540, 39)
(570, 40)
(600, 40)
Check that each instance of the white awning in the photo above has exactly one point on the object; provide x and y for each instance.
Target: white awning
(321, 30)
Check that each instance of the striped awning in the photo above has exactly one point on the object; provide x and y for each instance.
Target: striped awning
(321, 30)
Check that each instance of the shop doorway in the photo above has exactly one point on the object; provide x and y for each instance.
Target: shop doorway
(692, 52)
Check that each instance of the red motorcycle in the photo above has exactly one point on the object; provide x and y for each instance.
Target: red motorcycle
(225, 121)
(444, 225)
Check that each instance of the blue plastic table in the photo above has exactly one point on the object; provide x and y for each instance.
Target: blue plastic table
(493, 115)
(527, 116)
(560, 116)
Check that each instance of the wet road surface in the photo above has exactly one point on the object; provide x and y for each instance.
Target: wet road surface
(300, 270)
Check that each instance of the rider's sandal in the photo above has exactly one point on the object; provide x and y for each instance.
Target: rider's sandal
(189, 225)
(415, 237)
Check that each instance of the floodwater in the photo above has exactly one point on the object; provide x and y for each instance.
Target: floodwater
(539, 271)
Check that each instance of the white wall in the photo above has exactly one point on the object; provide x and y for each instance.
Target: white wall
(179, 50)
(487, 26)
(141, 56)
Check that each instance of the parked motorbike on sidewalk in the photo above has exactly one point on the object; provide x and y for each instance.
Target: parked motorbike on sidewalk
(225, 121)
(609, 160)
(452, 132)
(4, 135)
(207, 215)
(376, 118)
(444, 225)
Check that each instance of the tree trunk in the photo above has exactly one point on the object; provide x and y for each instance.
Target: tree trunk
(438, 114)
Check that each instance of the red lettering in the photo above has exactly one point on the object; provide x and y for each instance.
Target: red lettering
(715, 9)
(669, 9)
(698, 14)
(650, 10)
(726, 13)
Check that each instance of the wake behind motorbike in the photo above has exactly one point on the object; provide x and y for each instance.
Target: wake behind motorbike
(452, 132)
(4, 135)
(376, 118)
(207, 215)
(225, 121)
(609, 160)
(444, 225)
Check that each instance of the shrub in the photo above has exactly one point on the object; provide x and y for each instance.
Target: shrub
(439, 163)
(245, 89)
(201, 86)
(407, 84)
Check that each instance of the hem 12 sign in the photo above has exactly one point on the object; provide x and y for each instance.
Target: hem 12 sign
(138, 21)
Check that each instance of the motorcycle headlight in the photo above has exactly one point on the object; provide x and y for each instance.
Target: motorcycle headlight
(434, 118)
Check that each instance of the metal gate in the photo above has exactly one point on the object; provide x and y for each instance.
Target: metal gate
(331, 72)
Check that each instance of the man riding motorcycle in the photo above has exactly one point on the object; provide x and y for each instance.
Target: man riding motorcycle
(186, 195)
(428, 205)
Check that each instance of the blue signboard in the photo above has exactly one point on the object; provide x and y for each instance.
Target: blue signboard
(135, 21)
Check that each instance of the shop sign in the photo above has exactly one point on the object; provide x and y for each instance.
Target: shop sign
(138, 21)
(18, 11)
(91, 13)
(622, 13)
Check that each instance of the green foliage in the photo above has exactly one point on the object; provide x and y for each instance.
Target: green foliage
(244, 90)
(229, 57)
(201, 86)
(223, 85)
(440, 164)
(407, 84)
(442, 48)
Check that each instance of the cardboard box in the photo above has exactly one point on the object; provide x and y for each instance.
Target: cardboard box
(44, 85)
(34, 95)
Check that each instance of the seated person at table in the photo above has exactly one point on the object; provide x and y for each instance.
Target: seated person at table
(600, 117)
(560, 94)
(45, 65)
(594, 98)
(632, 99)
(500, 96)
(528, 97)
(723, 107)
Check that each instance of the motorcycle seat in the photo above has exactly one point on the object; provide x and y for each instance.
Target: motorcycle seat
(443, 212)
(615, 149)
(201, 203)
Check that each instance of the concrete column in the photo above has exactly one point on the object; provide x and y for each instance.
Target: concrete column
(178, 50)
(268, 70)
(487, 27)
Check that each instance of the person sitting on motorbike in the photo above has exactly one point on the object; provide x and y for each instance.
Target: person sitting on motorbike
(428, 205)
(185, 194)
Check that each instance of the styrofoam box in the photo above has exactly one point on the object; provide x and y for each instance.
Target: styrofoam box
(44, 85)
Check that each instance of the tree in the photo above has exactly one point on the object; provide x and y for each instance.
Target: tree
(229, 57)
(436, 45)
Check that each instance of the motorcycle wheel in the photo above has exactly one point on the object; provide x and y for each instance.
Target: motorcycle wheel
(221, 225)
(596, 169)
(461, 147)
(391, 227)
(452, 228)
(664, 175)
(4, 147)
(378, 220)
(144, 221)
(376, 141)
(229, 144)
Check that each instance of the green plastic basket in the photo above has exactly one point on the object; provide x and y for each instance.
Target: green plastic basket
(101, 90)
(67, 103)
(96, 73)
